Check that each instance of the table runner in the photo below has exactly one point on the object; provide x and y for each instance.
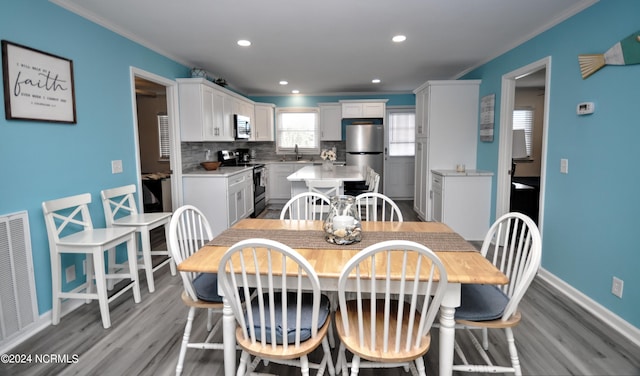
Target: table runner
(314, 239)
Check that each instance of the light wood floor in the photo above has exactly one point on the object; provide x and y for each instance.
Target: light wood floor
(556, 337)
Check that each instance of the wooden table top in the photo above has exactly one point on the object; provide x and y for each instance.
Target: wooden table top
(461, 266)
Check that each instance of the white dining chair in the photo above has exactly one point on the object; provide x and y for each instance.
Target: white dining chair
(306, 206)
(189, 231)
(381, 330)
(120, 210)
(327, 187)
(70, 230)
(513, 245)
(370, 204)
(287, 317)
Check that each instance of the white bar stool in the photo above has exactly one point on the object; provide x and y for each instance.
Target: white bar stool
(70, 230)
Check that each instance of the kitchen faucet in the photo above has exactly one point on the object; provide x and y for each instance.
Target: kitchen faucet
(295, 149)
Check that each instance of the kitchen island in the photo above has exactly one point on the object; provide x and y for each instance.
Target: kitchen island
(343, 173)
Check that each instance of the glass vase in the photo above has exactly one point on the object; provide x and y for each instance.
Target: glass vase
(327, 165)
(342, 225)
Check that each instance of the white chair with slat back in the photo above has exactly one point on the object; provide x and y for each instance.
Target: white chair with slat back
(287, 295)
(120, 210)
(327, 187)
(512, 244)
(369, 203)
(306, 206)
(382, 330)
(189, 231)
(70, 230)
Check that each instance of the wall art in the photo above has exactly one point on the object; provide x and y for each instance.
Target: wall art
(37, 85)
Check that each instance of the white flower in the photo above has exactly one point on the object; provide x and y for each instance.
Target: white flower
(328, 154)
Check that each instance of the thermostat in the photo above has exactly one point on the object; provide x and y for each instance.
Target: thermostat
(585, 108)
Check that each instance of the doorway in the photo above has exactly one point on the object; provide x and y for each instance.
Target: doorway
(399, 153)
(154, 102)
(520, 182)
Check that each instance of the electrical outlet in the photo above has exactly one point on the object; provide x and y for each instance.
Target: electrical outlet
(617, 286)
(116, 166)
(70, 273)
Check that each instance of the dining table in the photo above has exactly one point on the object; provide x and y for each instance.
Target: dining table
(462, 261)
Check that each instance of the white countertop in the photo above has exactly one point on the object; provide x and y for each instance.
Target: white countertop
(465, 173)
(344, 173)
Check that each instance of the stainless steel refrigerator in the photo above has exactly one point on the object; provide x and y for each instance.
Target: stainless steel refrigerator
(365, 147)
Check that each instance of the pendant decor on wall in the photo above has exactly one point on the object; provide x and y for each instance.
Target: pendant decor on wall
(487, 110)
(625, 52)
(37, 85)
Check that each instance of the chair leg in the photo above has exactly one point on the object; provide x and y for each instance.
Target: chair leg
(132, 257)
(513, 352)
(304, 365)
(419, 363)
(111, 269)
(101, 287)
(56, 287)
(185, 340)
(90, 276)
(327, 356)
(147, 263)
(210, 314)
(355, 365)
(485, 339)
(244, 359)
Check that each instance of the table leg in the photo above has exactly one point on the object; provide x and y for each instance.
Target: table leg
(447, 328)
(229, 339)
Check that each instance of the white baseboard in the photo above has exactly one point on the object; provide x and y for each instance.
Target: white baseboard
(614, 321)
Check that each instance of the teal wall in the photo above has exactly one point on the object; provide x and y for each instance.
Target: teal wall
(591, 213)
(41, 161)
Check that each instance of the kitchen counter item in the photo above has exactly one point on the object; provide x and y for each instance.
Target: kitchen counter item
(211, 165)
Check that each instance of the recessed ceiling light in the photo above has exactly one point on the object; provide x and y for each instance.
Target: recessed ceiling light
(244, 43)
(283, 82)
(375, 81)
(399, 38)
(296, 91)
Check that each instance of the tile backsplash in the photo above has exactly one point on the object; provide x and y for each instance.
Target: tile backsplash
(195, 152)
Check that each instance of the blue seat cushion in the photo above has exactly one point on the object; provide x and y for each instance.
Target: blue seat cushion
(481, 303)
(206, 286)
(290, 332)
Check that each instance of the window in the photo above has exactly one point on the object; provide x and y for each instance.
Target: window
(523, 119)
(297, 126)
(402, 136)
(163, 135)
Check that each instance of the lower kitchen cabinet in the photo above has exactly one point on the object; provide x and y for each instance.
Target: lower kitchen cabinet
(462, 201)
(224, 200)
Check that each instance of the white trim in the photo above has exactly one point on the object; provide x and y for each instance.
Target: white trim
(174, 132)
(603, 314)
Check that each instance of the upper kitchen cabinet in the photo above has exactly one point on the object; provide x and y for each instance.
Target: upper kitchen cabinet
(263, 123)
(330, 121)
(206, 110)
(446, 133)
(365, 108)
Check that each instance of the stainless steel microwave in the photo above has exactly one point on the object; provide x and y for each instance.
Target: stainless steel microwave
(242, 127)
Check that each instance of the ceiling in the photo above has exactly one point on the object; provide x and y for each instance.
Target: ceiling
(329, 46)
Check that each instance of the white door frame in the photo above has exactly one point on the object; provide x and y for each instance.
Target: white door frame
(175, 160)
(409, 161)
(507, 106)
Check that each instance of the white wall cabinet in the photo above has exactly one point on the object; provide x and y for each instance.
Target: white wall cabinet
(224, 200)
(446, 133)
(365, 108)
(263, 123)
(462, 201)
(330, 121)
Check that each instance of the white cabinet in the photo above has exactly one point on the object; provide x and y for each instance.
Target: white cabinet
(462, 201)
(279, 186)
(365, 108)
(263, 123)
(446, 133)
(223, 199)
(330, 121)
(206, 110)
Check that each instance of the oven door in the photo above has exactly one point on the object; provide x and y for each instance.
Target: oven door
(259, 190)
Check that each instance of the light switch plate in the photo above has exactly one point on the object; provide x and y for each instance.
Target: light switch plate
(116, 167)
(564, 166)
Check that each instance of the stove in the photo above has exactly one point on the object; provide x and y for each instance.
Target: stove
(231, 158)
